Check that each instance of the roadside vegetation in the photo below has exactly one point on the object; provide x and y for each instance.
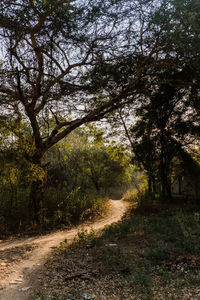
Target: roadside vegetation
(79, 176)
(152, 253)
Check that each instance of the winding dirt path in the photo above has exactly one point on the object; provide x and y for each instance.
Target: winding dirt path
(21, 274)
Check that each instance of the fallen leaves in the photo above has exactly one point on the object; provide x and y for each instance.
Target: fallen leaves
(9, 257)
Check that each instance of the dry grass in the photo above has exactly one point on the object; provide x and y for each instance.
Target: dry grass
(154, 256)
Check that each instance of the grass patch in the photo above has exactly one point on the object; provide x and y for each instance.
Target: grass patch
(154, 255)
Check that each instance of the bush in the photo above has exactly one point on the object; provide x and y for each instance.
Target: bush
(77, 206)
(142, 199)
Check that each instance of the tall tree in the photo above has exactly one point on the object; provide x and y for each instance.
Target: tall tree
(166, 123)
(81, 58)
(48, 46)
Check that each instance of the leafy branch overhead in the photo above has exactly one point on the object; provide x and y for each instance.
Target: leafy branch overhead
(69, 55)
(67, 63)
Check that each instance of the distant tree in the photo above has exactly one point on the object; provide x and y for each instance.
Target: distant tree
(166, 122)
(86, 162)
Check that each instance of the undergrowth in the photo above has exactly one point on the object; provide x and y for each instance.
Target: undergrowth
(151, 254)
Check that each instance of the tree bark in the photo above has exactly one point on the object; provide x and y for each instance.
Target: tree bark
(36, 197)
(150, 184)
(169, 194)
(154, 184)
(162, 174)
(36, 200)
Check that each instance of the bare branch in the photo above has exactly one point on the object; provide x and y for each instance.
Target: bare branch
(38, 52)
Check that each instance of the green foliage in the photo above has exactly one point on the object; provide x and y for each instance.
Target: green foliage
(84, 237)
(142, 279)
(142, 199)
(177, 231)
(77, 206)
(131, 196)
(179, 21)
(163, 129)
(76, 178)
(88, 165)
(160, 253)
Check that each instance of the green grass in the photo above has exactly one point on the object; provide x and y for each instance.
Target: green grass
(156, 254)
(162, 237)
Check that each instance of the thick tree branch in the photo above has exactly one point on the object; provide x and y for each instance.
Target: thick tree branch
(8, 91)
(38, 53)
(83, 62)
(25, 69)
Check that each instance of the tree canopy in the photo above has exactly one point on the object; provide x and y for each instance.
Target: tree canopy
(48, 47)
(65, 63)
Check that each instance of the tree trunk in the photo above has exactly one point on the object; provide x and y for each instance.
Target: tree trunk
(163, 168)
(163, 176)
(150, 184)
(154, 184)
(37, 196)
(36, 200)
(169, 194)
(96, 184)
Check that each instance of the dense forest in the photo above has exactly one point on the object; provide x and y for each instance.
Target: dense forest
(96, 97)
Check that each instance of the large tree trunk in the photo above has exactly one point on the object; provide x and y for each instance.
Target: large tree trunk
(165, 179)
(151, 183)
(37, 195)
(169, 193)
(164, 169)
(163, 175)
(36, 200)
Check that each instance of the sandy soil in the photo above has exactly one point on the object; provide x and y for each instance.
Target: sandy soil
(20, 274)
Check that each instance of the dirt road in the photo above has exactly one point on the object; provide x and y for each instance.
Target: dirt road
(19, 277)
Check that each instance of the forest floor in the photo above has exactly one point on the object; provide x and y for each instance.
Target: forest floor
(21, 260)
(151, 254)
